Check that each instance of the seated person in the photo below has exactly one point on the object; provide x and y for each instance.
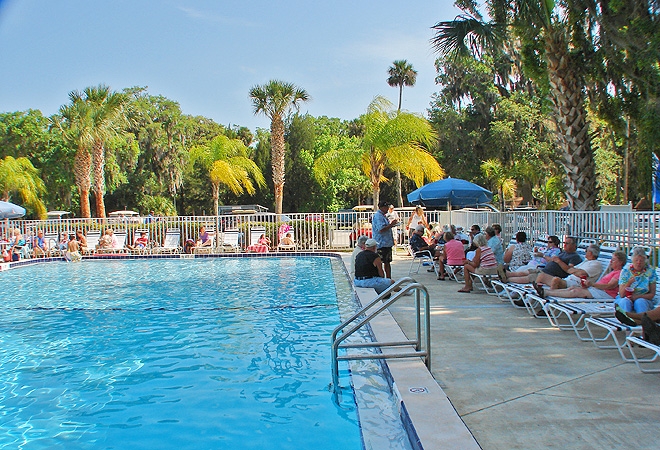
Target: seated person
(418, 244)
(108, 240)
(39, 246)
(17, 242)
(141, 242)
(359, 246)
(590, 269)
(369, 269)
(649, 321)
(287, 239)
(263, 240)
(520, 253)
(484, 262)
(637, 284)
(453, 254)
(461, 236)
(204, 239)
(540, 258)
(64, 242)
(82, 240)
(606, 288)
(556, 267)
(73, 250)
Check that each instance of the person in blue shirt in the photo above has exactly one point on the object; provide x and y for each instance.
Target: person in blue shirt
(381, 229)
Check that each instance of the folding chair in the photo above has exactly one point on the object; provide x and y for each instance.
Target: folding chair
(421, 257)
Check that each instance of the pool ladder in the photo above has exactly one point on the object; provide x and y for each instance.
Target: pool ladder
(422, 348)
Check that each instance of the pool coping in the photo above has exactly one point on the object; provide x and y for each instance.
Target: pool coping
(431, 420)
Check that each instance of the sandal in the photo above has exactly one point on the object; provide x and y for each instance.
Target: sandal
(465, 290)
(441, 278)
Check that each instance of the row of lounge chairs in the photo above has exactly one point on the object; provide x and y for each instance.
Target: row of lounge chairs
(229, 241)
(592, 320)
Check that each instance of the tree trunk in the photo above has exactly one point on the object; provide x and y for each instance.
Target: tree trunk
(400, 96)
(277, 160)
(570, 115)
(81, 171)
(399, 196)
(98, 160)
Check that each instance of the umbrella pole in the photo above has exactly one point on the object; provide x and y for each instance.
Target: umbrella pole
(451, 222)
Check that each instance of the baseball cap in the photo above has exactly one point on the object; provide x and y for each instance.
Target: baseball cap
(371, 243)
(419, 228)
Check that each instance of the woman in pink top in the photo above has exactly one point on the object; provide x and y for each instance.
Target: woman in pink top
(453, 254)
(606, 288)
(484, 262)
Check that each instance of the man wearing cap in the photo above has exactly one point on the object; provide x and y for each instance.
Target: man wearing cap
(418, 244)
(381, 229)
(359, 247)
(369, 269)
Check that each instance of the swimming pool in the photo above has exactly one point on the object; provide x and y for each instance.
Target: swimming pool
(205, 353)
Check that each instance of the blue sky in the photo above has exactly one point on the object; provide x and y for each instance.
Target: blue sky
(206, 55)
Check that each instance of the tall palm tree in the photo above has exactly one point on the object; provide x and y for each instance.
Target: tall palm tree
(391, 140)
(107, 116)
(559, 32)
(73, 121)
(275, 100)
(401, 74)
(18, 175)
(228, 164)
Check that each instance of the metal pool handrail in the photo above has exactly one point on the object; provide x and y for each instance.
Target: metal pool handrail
(362, 318)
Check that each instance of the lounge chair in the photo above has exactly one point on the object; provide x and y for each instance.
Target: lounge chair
(612, 329)
(93, 237)
(171, 243)
(634, 343)
(230, 241)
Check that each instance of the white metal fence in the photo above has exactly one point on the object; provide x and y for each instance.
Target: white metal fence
(338, 231)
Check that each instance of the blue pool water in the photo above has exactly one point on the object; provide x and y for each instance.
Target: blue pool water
(206, 353)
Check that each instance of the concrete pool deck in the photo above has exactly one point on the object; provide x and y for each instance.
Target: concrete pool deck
(518, 383)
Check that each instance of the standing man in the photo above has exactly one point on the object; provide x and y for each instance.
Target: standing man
(381, 229)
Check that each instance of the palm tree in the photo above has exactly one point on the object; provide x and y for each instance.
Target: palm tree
(391, 140)
(559, 33)
(401, 73)
(275, 100)
(495, 171)
(107, 116)
(92, 117)
(19, 175)
(73, 122)
(227, 163)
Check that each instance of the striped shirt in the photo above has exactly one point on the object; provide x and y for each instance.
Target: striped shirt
(487, 258)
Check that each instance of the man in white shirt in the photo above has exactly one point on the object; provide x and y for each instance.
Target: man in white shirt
(590, 268)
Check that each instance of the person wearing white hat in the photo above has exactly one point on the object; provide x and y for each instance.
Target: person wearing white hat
(369, 269)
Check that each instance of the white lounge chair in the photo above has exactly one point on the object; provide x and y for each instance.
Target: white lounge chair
(612, 329)
(230, 240)
(171, 243)
(634, 343)
(93, 237)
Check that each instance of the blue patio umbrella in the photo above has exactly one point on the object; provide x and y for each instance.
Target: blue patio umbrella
(10, 211)
(452, 191)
